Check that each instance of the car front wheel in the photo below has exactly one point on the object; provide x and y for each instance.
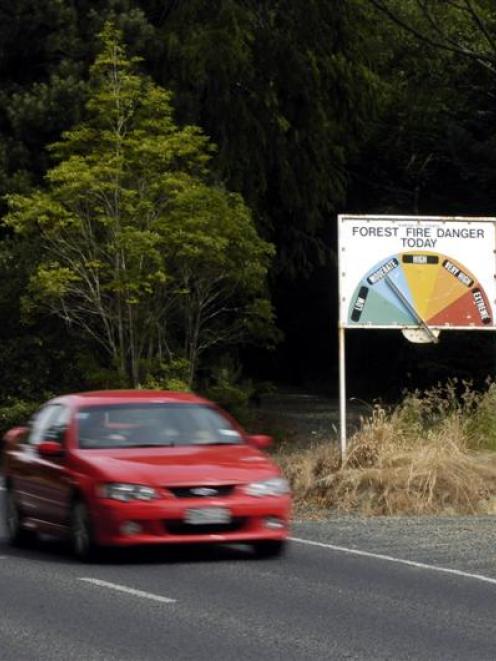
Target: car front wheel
(272, 548)
(82, 542)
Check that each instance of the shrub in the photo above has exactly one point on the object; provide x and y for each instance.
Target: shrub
(171, 375)
(482, 423)
(15, 412)
(234, 398)
(427, 455)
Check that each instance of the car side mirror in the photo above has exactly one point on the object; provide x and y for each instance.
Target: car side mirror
(260, 441)
(50, 449)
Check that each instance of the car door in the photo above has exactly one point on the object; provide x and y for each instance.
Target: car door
(43, 483)
(24, 461)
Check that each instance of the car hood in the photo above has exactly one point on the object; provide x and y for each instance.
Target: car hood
(169, 466)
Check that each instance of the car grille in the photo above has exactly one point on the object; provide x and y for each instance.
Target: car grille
(202, 491)
(175, 527)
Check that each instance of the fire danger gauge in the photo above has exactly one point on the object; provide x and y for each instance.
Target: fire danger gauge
(414, 287)
(420, 274)
(413, 272)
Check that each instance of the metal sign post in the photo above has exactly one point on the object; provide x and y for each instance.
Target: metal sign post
(418, 274)
(342, 391)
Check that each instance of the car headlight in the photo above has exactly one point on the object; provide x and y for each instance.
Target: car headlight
(276, 486)
(127, 492)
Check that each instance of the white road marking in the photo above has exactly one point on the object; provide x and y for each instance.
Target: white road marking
(124, 588)
(389, 558)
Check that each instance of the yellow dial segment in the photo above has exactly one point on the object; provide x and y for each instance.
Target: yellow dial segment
(420, 270)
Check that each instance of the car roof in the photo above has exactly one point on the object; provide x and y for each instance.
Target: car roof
(101, 397)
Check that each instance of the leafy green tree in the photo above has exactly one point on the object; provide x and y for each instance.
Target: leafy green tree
(141, 250)
(45, 52)
(431, 148)
(284, 90)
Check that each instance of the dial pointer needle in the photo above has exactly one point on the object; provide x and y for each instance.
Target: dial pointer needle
(410, 308)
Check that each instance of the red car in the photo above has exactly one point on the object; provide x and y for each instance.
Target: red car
(117, 468)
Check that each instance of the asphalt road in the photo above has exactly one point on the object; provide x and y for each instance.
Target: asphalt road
(318, 602)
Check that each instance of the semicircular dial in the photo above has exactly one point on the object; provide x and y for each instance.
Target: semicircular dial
(413, 287)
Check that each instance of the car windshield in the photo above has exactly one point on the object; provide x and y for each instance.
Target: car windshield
(150, 425)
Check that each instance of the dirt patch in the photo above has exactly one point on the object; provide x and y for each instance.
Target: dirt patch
(303, 419)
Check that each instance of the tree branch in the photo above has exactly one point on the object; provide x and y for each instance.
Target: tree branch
(448, 44)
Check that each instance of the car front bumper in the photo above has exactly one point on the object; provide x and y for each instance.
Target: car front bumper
(164, 521)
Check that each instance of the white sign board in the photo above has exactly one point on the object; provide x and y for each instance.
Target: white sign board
(407, 271)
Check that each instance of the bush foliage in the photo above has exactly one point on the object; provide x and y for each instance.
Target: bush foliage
(16, 412)
(432, 453)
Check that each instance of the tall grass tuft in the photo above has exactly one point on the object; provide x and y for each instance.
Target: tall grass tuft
(433, 453)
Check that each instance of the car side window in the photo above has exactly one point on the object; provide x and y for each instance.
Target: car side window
(58, 423)
(43, 420)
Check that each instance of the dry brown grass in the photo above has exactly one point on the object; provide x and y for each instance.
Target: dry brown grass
(423, 457)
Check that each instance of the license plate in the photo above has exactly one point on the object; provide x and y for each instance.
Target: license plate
(207, 516)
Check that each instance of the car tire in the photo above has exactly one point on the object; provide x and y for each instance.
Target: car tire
(273, 548)
(17, 535)
(81, 533)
